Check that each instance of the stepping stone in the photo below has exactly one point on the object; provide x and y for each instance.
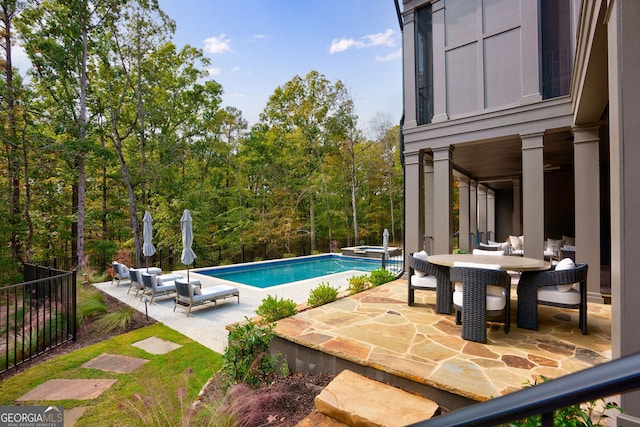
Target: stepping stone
(71, 416)
(318, 419)
(155, 345)
(79, 389)
(115, 363)
(356, 400)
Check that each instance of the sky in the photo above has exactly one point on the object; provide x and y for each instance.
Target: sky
(256, 46)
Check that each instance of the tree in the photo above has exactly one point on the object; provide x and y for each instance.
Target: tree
(10, 134)
(50, 31)
(301, 113)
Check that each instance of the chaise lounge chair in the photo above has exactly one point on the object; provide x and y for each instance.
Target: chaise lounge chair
(120, 272)
(190, 295)
(158, 285)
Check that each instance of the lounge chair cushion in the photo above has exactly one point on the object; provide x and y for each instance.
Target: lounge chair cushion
(166, 278)
(564, 264)
(422, 255)
(195, 289)
(503, 245)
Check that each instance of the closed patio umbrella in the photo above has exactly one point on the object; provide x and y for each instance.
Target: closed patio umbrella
(188, 256)
(147, 248)
(385, 247)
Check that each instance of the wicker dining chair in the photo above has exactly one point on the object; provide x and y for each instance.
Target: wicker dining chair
(529, 297)
(418, 268)
(474, 312)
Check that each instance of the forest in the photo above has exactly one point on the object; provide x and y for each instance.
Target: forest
(113, 120)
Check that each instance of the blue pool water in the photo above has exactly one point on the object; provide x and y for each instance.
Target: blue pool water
(266, 275)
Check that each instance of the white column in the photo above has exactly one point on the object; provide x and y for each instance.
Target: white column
(586, 152)
(473, 212)
(482, 212)
(533, 194)
(491, 215)
(529, 51)
(443, 210)
(414, 202)
(463, 213)
(624, 128)
(409, 68)
(439, 64)
(516, 226)
(429, 222)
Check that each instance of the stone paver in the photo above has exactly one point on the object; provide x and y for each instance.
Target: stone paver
(71, 416)
(115, 363)
(62, 389)
(377, 328)
(155, 345)
(359, 401)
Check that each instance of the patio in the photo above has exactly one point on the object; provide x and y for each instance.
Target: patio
(393, 342)
(377, 334)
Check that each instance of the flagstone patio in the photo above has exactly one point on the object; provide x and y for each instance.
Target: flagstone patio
(377, 329)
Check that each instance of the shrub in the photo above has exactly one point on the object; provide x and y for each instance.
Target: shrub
(246, 358)
(380, 276)
(358, 284)
(575, 415)
(323, 294)
(288, 255)
(272, 308)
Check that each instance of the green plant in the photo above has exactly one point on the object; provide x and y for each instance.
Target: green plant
(323, 294)
(272, 308)
(380, 276)
(114, 321)
(90, 302)
(246, 358)
(358, 284)
(591, 413)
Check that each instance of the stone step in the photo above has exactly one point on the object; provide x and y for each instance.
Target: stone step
(356, 400)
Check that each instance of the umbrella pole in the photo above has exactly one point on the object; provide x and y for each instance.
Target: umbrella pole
(188, 275)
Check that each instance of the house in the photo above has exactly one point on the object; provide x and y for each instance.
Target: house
(530, 108)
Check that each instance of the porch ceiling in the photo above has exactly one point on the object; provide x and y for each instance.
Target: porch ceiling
(497, 163)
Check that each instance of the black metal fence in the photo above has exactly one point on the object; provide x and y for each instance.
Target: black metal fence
(36, 315)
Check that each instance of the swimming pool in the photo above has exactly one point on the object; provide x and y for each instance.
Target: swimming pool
(267, 274)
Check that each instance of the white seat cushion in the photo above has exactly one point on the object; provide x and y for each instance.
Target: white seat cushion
(429, 282)
(496, 296)
(492, 253)
(422, 255)
(550, 294)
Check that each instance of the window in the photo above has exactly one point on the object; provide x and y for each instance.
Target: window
(555, 37)
(424, 66)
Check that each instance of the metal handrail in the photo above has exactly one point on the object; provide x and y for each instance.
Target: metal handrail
(614, 377)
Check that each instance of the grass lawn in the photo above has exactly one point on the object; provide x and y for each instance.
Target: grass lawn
(157, 393)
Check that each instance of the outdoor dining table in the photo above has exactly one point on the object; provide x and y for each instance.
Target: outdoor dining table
(444, 298)
(511, 263)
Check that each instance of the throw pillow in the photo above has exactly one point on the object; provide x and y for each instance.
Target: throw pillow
(515, 242)
(554, 246)
(422, 255)
(565, 264)
(569, 241)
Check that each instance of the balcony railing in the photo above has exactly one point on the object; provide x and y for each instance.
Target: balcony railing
(611, 378)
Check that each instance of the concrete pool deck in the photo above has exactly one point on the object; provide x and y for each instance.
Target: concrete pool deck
(207, 323)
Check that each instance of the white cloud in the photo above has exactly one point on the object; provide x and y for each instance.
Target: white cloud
(218, 44)
(214, 71)
(390, 56)
(235, 69)
(261, 36)
(379, 39)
